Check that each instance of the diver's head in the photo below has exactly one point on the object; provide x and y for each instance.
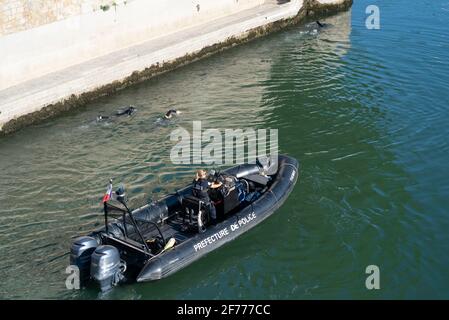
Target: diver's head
(131, 110)
(101, 118)
(172, 112)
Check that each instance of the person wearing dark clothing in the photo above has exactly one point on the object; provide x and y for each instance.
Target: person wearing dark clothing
(170, 113)
(199, 190)
(126, 111)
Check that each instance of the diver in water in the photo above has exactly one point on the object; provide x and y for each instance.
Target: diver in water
(170, 113)
(101, 118)
(168, 116)
(313, 28)
(126, 111)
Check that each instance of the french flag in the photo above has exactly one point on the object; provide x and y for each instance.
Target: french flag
(108, 194)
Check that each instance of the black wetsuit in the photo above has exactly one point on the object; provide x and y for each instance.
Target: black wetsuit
(199, 190)
(129, 111)
(170, 113)
(126, 111)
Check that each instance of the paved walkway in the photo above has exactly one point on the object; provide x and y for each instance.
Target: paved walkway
(35, 94)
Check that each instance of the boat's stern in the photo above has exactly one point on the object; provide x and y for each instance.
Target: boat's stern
(101, 263)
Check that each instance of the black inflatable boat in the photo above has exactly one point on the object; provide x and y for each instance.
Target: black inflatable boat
(160, 238)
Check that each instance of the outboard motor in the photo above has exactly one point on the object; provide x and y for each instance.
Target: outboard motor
(106, 267)
(80, 255)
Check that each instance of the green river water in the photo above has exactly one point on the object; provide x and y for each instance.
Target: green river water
(365, 112)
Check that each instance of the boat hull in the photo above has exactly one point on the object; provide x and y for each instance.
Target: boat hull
(220, 234)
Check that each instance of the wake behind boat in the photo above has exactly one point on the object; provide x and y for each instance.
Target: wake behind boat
(160, 238)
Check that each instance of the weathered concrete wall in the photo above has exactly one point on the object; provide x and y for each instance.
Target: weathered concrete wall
(20, 15)
(80, 31)
(38, 99)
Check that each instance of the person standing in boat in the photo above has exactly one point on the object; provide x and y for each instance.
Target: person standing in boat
(199, 190)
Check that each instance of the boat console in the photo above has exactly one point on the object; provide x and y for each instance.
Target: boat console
(228, 196)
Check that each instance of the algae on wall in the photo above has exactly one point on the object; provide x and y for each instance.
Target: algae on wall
(310, 10)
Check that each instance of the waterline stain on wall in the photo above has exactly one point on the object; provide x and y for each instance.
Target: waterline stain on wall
(310, 10)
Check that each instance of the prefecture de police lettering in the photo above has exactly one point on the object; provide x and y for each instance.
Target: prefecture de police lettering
(211, 239)
(224, 232)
